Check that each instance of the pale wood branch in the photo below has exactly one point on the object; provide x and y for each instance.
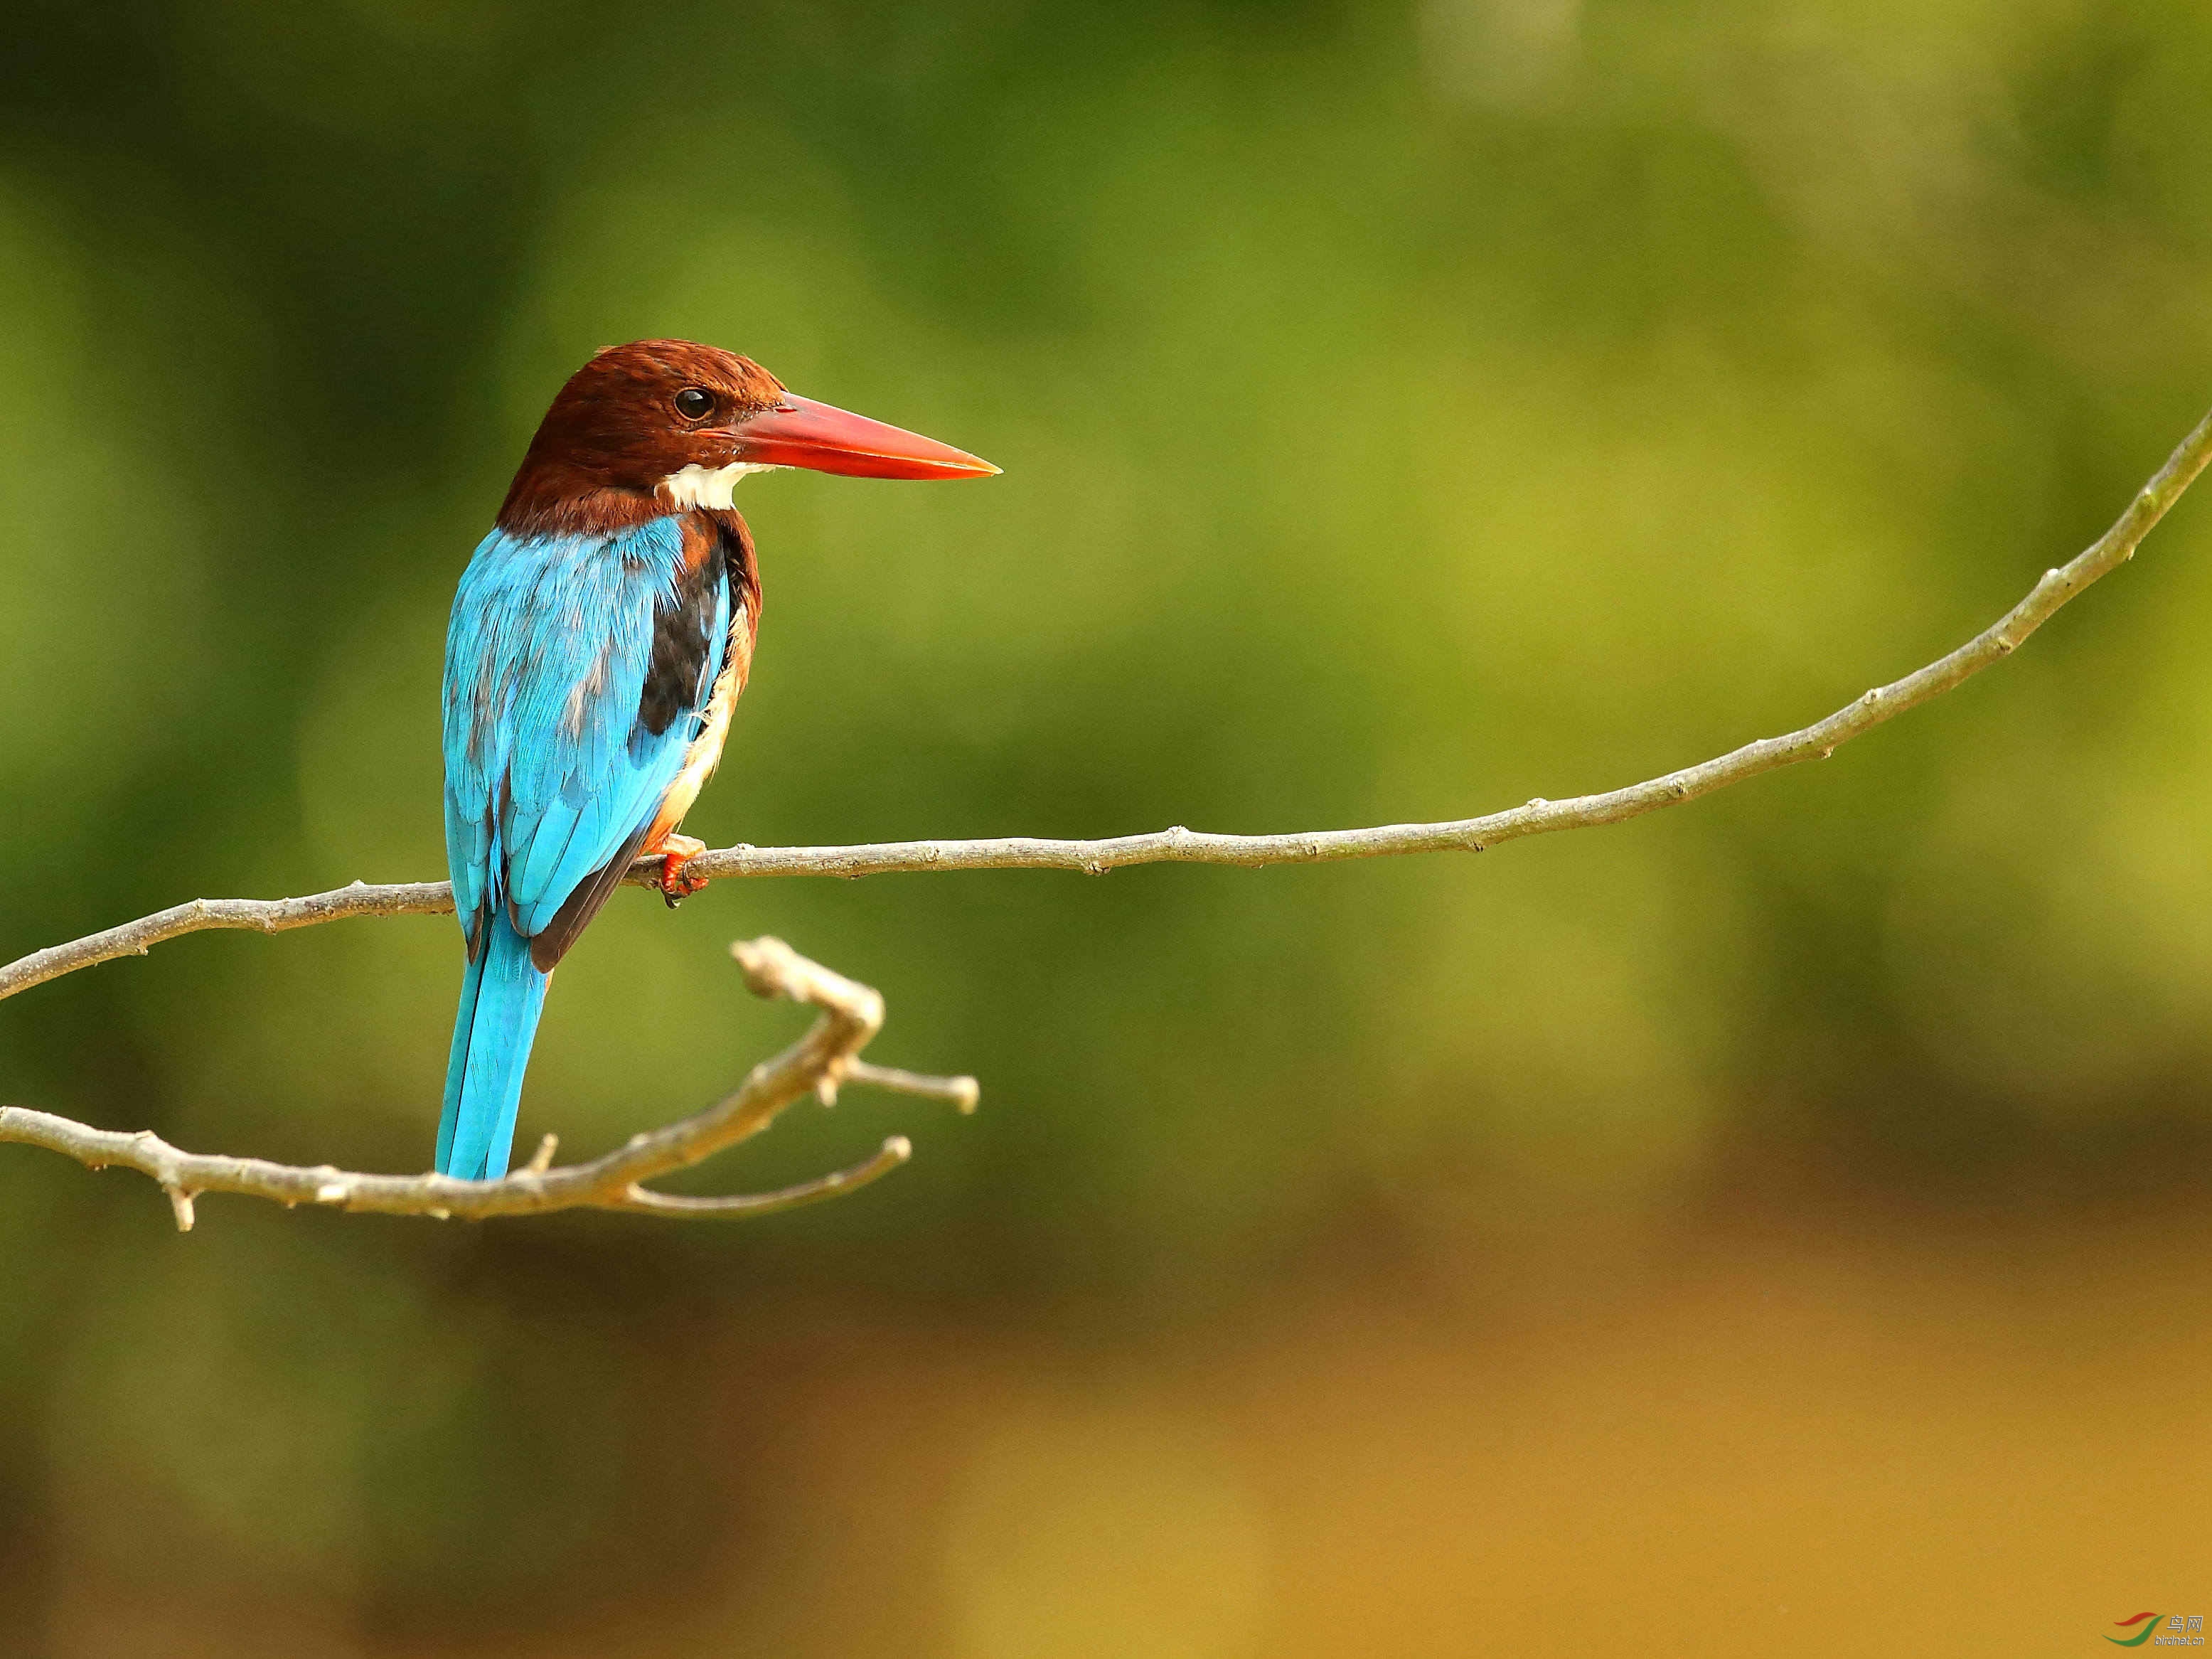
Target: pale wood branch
(1178, 845)
(852, 1013)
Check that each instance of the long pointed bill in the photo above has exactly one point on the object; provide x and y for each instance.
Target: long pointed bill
(803, 433)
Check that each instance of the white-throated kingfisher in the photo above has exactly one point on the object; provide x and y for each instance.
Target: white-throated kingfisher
(601, 635)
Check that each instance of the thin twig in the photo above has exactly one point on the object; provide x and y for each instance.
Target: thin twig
(851, 1014)
(1180, 846)
(961, 1092)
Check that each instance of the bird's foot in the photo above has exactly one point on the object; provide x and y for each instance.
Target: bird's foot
(676, 852)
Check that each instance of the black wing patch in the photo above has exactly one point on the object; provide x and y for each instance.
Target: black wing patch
(550, 945)
(675, 684)
(681, 639)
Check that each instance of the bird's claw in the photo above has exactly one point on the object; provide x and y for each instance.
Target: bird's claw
(675, 885)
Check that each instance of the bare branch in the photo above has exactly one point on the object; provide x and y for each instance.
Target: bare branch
(135, 938)
(1180, 846)
(852, 1013)
(1538, 816)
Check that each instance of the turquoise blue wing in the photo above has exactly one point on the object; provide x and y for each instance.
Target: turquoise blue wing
(563, 732)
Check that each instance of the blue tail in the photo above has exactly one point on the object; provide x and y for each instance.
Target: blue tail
(501, 996)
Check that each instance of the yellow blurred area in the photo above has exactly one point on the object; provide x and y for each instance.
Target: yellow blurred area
(1811, 1428)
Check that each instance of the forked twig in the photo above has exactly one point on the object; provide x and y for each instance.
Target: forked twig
(827, 1056)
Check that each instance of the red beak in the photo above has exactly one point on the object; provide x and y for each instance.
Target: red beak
(800, 432)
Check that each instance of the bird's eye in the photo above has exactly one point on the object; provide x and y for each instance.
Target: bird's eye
(694, 404)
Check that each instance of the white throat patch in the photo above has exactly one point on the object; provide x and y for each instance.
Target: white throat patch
(705, 486)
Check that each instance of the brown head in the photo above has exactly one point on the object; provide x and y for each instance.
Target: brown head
(659, 425)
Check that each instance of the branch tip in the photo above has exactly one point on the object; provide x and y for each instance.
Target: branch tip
(961, 1092)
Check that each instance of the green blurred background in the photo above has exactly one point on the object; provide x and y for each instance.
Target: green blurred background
(1783, 1221)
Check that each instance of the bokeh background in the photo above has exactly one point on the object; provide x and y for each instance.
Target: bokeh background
(1783, 1222)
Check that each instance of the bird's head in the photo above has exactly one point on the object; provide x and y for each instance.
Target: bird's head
(662, 425)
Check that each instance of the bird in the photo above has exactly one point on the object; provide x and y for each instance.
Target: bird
(601, 633)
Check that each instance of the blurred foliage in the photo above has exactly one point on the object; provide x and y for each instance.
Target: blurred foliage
(1405, 410)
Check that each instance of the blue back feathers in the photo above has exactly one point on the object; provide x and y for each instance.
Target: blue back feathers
(578, 671)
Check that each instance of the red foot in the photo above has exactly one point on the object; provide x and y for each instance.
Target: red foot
(675, 885)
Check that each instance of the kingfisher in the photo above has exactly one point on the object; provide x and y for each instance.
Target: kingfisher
(600, 637)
